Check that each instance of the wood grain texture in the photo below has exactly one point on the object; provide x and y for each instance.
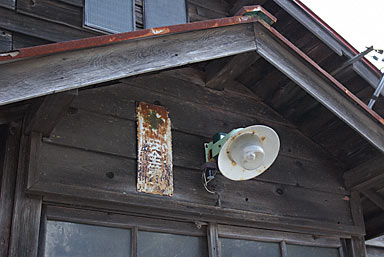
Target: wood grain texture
(112, 108)
(139, 204)
(10, 141)
(5, 41)
(213, 240)
(226, 109)
(276, 236)
(78, 3)
(218, 75)
(50, 31)
(26, 212)
(84, 169)
(55, 11)
(283, 249)
(10, 4)
(358, 246)
(22, 41)
(375, 198)
(124, 59)
(366, 175)
(357, 211)
(318, 85)
(49, 112)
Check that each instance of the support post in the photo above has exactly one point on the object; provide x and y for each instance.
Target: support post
(213, 240)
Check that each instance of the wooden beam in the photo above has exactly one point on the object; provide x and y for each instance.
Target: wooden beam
(187, 74)
(358, 246)
(213, 240)
(357, 211)
(49, 112)
(26, 211)
(217, 77)
(63, 71)
(273, 47)
(366, 175)
(10, 142)
(375, 198)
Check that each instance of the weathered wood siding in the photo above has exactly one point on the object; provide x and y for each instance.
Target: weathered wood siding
(98, 136)
(26, 23)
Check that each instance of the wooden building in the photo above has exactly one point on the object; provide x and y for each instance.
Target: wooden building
(69, 130)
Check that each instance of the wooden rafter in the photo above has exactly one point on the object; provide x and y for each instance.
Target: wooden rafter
(219, 74)
(375, 198)
(49, 112)
(366, 175)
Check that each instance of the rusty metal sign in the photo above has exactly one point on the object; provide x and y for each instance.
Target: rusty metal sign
(154, 165)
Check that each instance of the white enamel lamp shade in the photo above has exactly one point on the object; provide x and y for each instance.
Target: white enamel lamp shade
(249, 152)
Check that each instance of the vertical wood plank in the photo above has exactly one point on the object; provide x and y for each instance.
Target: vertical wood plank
(283, 249)
(213, 240)
(135, 232)
(5, 41)
(27, 211)
(358, 246)
(341, 252)
(43, 226)
(356, 210)
(7, 187)
(33, 161)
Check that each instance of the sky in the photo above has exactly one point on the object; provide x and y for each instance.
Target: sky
(361, 23)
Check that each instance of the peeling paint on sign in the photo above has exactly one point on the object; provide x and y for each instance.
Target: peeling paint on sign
(154, 165)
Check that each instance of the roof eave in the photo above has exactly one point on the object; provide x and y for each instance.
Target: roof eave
(45, 70)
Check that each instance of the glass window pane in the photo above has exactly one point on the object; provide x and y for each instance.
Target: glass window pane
(247, 248)
(164, 13)
(74, 240)
(113, 16)
(152, 244)
(311, 251)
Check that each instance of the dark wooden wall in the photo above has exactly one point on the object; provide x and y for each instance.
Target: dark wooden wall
(98, 136)
(25, 23)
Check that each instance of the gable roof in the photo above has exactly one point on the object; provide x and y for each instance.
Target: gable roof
(42, 70)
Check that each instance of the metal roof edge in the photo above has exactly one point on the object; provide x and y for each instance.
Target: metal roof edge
(330, 37)
(91, 42)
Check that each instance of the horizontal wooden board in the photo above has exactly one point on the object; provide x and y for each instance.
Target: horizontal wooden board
(78, 3)
(127, 58)
(273, 236)
(22, 41)
(115, 136)
(52, 10)
(122, 221)
(8, 4)
(215, 112)
(51, 31)
(86, 170)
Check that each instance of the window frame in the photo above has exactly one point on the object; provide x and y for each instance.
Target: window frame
(103, 30)
(116, 220)
(283, 238)
(187, 19)
(152, 223)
